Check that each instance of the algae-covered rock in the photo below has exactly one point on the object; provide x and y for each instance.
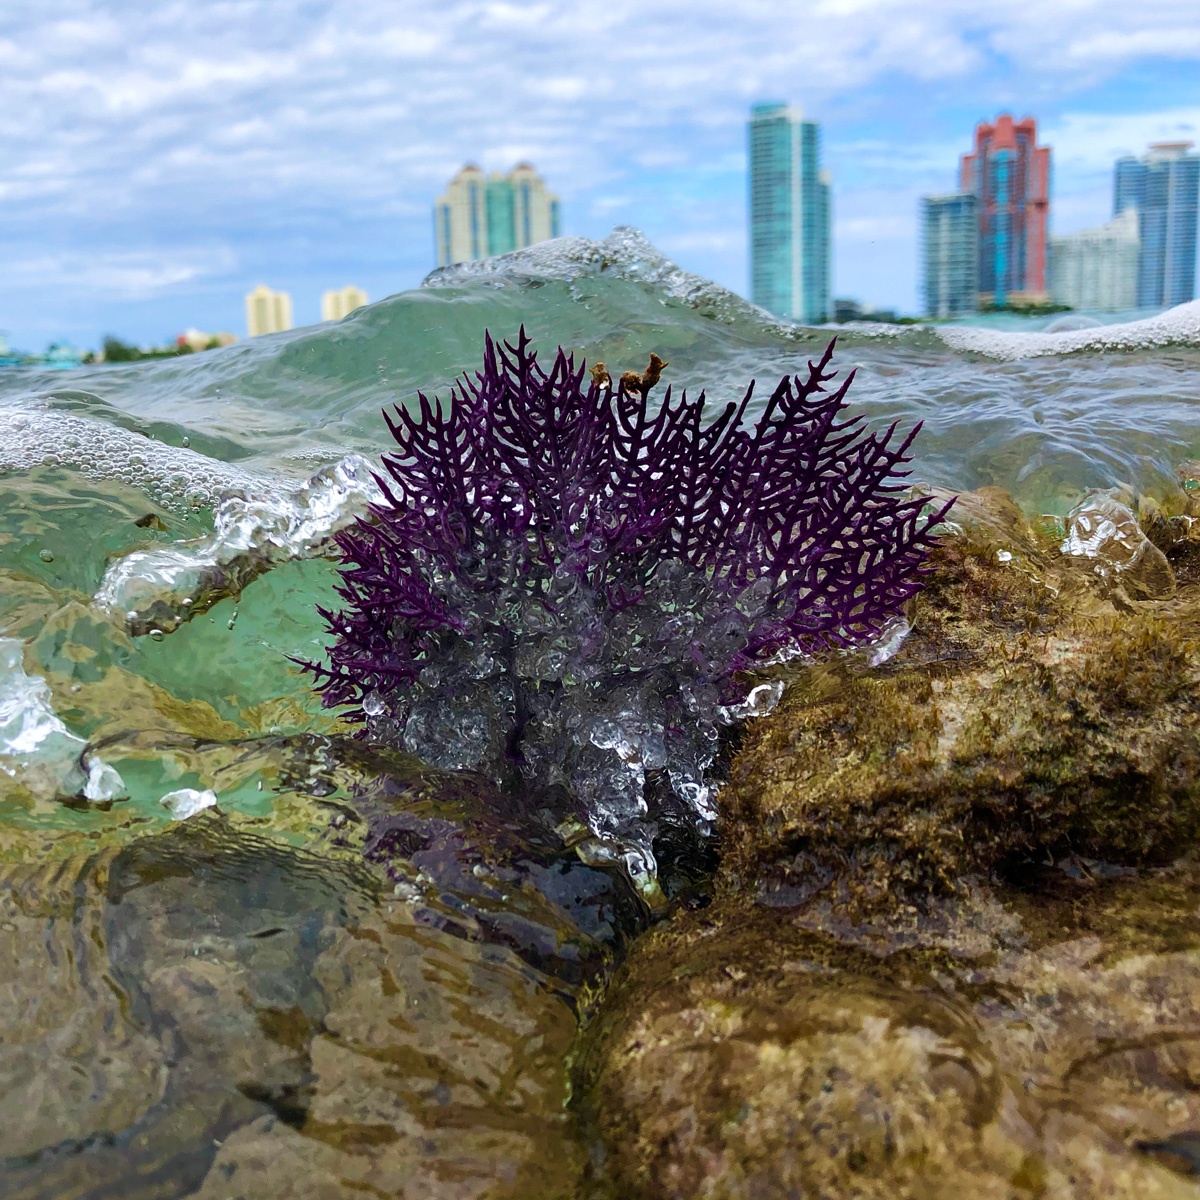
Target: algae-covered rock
(1028, 713)
(740, 1054)
(896, 992)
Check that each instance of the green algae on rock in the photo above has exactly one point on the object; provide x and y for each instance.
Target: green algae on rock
(1026, 714)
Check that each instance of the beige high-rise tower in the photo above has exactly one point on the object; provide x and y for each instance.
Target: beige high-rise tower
(535, 210)
(482, 215)
(267, 311)
(341, 302)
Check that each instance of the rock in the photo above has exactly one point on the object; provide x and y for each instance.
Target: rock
(740, 1054)
(1027, 714)
(952, 950)
(374, 990)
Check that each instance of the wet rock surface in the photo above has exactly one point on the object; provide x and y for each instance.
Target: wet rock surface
(385, 1006)
(950, 948)
(742, 1054)
(953, 947)
(1034, 710)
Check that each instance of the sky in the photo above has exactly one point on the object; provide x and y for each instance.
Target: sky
(159, 159)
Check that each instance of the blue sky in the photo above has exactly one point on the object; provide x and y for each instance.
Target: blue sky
(158, 160)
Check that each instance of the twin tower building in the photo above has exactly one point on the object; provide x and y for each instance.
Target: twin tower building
(480, 215)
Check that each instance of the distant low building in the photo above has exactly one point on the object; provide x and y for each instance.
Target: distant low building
(950, 254)
(845, 311)
(62, 356)
(197, 339)
(480, 215)
(1097, 269)
(267, 311)
(341, 302)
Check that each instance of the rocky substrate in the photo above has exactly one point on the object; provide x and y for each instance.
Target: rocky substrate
(954, 943)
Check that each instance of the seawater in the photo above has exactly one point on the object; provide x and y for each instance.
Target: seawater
(337, 966)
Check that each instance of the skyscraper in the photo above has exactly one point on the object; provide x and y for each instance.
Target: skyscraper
(341, 302)
(267, 311)
(1097, 268)
(1009, 174)
(478, 216)
(1162, 186)
(790, 213)
(950, 240)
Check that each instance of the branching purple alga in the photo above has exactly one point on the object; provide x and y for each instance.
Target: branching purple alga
(565, 587)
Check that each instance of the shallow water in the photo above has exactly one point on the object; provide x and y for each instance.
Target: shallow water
(353, 972)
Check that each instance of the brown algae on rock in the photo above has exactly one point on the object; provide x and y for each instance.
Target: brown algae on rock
(742, 1055)
(1014, 721)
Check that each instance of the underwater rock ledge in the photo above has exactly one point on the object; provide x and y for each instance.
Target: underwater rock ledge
(896, 992)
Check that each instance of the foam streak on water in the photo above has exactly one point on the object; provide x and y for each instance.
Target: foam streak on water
(160, 588)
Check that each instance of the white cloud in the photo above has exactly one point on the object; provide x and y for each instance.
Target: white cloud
(1090, 142)
(284, 123)
(128, 276)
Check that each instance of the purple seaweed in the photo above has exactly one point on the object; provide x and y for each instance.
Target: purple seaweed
(566, 587)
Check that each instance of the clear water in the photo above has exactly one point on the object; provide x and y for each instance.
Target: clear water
(352, 971)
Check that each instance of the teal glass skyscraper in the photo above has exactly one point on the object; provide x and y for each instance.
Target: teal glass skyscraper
(950, 240)
(790, 215)
(1164, 187)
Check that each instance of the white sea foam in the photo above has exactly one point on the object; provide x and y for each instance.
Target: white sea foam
(36, 748)
(1176, 326)
(176, 478)
(160, 587)
(187, 802)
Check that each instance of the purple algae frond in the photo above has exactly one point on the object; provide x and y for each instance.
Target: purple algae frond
(567, 584)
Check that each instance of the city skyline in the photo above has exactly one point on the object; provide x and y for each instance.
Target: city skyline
(152, 179)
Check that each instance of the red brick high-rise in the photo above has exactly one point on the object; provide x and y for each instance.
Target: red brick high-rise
(1010, 174)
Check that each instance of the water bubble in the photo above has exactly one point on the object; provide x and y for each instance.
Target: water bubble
(187, 802)
(187, 442)
(156, 635)
(47, 556)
